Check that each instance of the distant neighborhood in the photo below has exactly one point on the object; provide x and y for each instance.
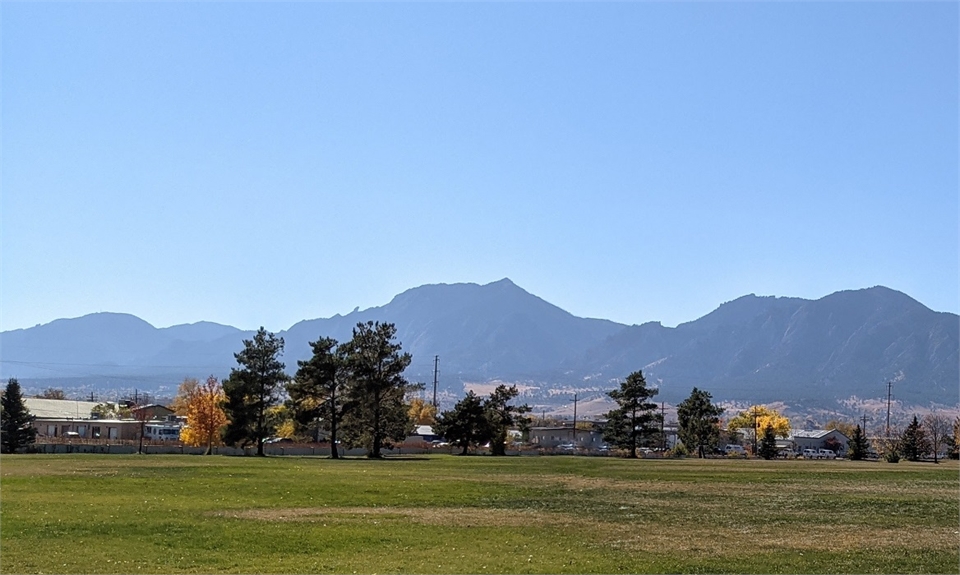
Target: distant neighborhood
(260, 410)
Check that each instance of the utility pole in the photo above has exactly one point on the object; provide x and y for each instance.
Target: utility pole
(864, 420)
(574, 420)
(663, 437)
(436, 375)
(889, 391)
(754, 431)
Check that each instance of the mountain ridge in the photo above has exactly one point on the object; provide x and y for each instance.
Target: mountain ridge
(761, 348)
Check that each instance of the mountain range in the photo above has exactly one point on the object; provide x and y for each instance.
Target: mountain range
(752, 349)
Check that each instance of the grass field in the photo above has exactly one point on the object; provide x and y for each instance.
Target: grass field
(444, 514)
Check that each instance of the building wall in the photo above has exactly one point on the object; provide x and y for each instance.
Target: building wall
(87, 428)
(801, 443)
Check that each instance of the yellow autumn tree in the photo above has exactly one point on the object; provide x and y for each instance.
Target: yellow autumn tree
(184, 392)
(283, 421)
(421, 412)
(205, 416)
(756, 420)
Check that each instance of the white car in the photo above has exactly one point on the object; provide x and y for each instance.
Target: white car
(811, 454)
(827, 454)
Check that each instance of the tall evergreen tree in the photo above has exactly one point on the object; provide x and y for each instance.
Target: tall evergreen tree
(635, 417)
(501, 416)
(913, 441)
(317, 390)
(376, 413)
(15, 419)
(859, 445)
(699, 421)
(466, 424)
(252, 389)
(768, 444)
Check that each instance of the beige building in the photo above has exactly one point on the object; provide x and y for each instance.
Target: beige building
(68, 419)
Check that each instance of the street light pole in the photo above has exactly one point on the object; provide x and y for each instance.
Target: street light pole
(574, 420)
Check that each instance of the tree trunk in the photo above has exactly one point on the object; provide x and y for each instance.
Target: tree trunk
(465, 446)
(333, 438)
(333, 431)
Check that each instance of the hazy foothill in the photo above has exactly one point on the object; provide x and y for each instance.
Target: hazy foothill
(831, 356)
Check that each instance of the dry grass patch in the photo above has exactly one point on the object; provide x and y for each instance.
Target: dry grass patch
(440, 516)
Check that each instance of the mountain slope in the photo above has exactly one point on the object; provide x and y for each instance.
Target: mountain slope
(751, 349)
(767, 349)
(496, 330)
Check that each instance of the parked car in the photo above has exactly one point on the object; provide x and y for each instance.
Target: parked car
(827, 454)
(271, 440)
(810, 454)
(567, 447)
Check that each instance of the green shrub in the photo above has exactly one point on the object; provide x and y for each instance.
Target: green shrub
(679, 450)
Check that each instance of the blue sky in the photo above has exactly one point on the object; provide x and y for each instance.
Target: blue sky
(261, 163)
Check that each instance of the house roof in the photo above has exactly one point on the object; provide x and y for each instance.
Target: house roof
(423, 430)
(59, 408)
(815, 433)
(155, 407)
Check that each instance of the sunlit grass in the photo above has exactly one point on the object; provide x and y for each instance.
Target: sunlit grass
(175, 514)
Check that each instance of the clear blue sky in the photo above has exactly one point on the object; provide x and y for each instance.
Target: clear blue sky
(261, 163)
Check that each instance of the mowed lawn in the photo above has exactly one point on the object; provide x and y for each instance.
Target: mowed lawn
(444, 514)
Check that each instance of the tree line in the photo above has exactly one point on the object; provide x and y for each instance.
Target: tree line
(355, 391)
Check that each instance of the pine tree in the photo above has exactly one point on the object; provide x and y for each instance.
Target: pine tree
(466, 424)
(699, 421)
(376, 412)
(768, 445)
(913, 441)
(635, 417)
(501, 416)
(858, 445)
(317, 391)
(253, 389)
(16, 430)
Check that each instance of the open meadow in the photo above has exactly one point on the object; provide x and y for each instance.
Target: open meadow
(445, 514)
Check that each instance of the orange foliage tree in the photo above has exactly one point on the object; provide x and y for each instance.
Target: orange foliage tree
(205, 416)
(182, 400)
(421, 412)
